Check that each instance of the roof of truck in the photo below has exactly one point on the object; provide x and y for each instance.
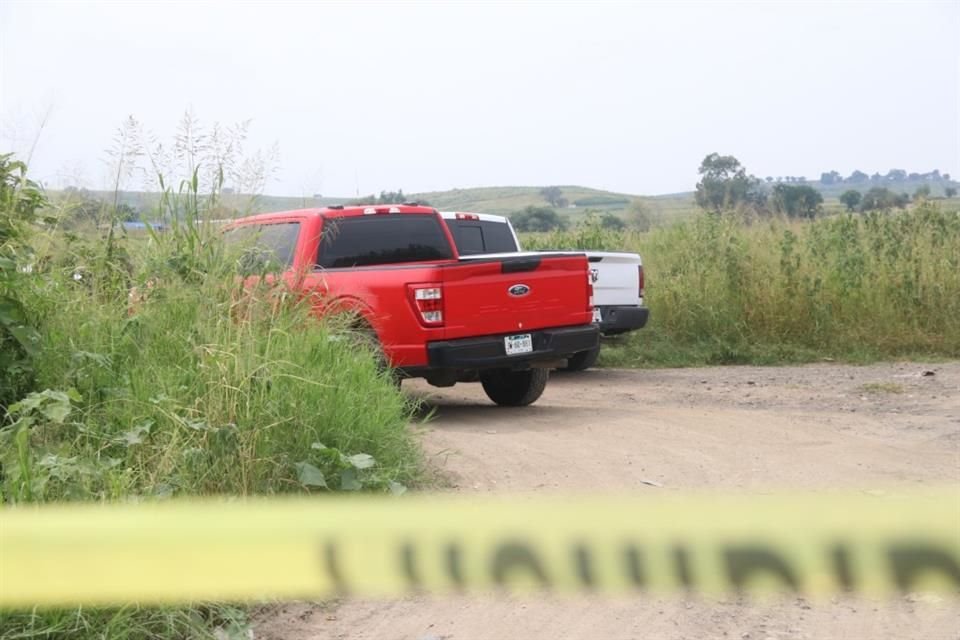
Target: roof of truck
(335, 212)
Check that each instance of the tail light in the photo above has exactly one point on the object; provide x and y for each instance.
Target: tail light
(640, 281)
(589, 290)
(427, 300)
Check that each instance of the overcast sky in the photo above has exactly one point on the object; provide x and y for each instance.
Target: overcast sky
(432, 96)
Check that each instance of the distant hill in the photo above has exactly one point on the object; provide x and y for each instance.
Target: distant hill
(503, 200)
(506, 200)
(244, 204)
(500, 200)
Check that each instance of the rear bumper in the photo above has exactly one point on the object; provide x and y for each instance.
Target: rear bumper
(489, 352)
(614, 319)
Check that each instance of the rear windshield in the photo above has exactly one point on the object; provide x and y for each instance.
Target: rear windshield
(382, 239)
(478, 236)
(264, 247)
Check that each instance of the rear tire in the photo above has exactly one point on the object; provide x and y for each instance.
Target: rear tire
(583, 360)
(514, 388)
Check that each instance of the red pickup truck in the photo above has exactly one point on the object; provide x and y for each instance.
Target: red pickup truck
(503, 321)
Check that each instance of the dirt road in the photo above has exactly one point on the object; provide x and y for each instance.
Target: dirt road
(737, 428)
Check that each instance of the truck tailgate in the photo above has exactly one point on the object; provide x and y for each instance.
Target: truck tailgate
(517, 292)
(617, 278)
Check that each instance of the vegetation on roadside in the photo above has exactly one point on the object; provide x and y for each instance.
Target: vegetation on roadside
(848, 287)
(191, 385)
(20, 204)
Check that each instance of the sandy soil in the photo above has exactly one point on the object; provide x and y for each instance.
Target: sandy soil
(737, 428)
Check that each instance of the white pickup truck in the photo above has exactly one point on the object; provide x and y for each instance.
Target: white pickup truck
(617, 276)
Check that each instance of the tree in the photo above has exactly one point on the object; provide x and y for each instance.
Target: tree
(896, 174)
(554, 196)
(385, 197)
(724, 184)
(922, 192)
(391, 197)
(858, 176)
(83, 209)
(537, 219)
(830, 178)
(610, 221)
(950, 191)
(851, 198)
(801, 201)
(639, 216)
(882, 198)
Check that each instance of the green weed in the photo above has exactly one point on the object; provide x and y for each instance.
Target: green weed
(849, 287)
(155, 374)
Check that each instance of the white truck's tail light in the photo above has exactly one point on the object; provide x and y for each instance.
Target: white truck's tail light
(640, 281)
(467, 216)
(428, 301)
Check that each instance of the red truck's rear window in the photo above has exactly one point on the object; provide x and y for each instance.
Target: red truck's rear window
(382, 239)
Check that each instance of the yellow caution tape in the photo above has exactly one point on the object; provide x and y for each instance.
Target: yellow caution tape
(317, 548)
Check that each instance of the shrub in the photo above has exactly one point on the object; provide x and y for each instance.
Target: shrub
(796, 201)
(851, 198)
(882, 198)
(20, 204)
(537, 219)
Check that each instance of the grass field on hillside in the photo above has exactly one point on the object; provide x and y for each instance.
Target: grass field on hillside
(503, 200)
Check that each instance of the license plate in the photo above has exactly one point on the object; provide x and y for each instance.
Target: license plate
(522, 343)
(596, 315)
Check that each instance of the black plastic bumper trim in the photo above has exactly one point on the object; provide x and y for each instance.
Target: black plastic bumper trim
(488, 352)
(621, 319)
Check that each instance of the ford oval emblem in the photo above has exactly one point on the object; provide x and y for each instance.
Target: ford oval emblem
(518, 290)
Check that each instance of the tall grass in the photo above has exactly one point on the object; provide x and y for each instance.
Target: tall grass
(195, 385)
(851, 287)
